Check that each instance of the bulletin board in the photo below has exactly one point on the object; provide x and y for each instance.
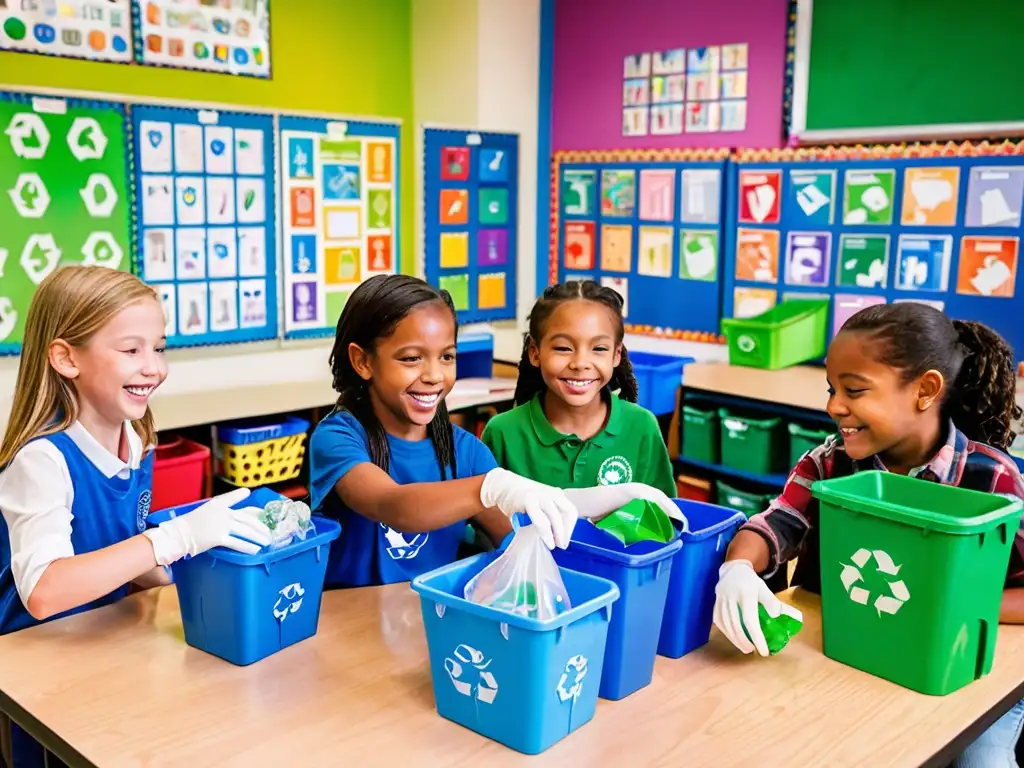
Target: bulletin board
(648, 223)
(339, 221)
(935, 224)
(471, 207)
(206, 221)
(84, 29)
(64, 175)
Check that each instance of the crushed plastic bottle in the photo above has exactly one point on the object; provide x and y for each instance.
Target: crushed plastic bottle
(778, 631)
(639, 520)
(287, 520)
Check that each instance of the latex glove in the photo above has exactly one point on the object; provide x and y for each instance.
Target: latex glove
(601, 500)
(547, 507)
(737, 596)
(214, 524)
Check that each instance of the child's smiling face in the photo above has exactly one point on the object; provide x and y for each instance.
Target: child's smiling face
(578, 351)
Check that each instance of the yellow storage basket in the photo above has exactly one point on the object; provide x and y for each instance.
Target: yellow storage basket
(251, 454)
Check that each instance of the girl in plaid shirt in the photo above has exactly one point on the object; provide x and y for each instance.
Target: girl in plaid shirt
(912, 392)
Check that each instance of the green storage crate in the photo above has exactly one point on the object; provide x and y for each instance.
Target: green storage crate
(912, 577)
(751, 444)
(803, 439)
(748, 503)
(790, 333)
(700, 433)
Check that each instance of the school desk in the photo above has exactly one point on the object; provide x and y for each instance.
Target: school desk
(119, 687)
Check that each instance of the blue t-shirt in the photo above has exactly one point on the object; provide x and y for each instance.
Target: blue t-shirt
(105, 511)
(369, 553)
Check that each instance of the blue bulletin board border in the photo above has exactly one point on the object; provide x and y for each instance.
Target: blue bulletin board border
(1000, 313)
(235, 120)
(670, 307)
(477, 180)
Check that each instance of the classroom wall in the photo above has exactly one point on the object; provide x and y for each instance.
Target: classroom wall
(591, 37)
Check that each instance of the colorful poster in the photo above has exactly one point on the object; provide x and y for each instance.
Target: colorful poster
(207, 222)
(760, 196)
(701, 197)
(808, 255)
(340, 201)
(229, 36)
(490, 291)
(923, 262)
(621, 286)
(616, 247)
(868, 197)
(636, 93)
(988, 266)
(811, 198)
(847, 305)
(994, 196)
(698, 254)
(751, 302)
(863, 261)
(579, 190)
(618, 193)
(657, 194)
(757, 255)
(580, 244)
(64, 175)
(654, 253)
(930, 196)
(81, 30)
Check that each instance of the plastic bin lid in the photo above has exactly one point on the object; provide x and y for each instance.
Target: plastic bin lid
(801, 431)
(917, 502)
(768, 423)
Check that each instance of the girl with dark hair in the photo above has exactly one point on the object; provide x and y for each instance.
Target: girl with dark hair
(569, 429)
(912, 392)
(388, 464)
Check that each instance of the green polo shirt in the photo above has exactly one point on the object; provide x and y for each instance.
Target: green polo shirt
(629, 448)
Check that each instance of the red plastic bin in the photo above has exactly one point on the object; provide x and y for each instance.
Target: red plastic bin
(179, 473)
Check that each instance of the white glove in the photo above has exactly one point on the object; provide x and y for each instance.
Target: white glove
(547, 507)
(214, 524)
(737, 596)
(601, 500)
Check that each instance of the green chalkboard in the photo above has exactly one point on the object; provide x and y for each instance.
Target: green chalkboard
(886, 63)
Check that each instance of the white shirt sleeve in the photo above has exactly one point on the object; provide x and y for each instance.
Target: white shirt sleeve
(36, 495)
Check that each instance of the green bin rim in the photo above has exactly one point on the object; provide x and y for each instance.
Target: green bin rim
(769, 423)
(799, 430)
(704, 413)
(831, 491)
(792, 311)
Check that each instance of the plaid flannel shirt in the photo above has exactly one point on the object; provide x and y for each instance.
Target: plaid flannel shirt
(790, 522)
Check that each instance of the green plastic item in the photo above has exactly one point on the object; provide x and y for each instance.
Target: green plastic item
(700, 433)
(751, 444)
(912, 577)
(749, 504)
(639, 520)
(803, 439)
(789, 333)
(778, 631)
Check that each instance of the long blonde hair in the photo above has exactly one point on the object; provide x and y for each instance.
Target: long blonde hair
(71, 304)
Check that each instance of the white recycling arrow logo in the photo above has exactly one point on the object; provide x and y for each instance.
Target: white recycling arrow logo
(29, 136)
(39, 257)
(86, 139)
(102, 249)
(852, 576)
(99, 195)
(29, 196)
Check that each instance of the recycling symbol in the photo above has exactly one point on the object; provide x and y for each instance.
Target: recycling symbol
(29, 196)
(39, 257)
(851, 576)
(101, 249)
(570, 685)
(8, 317)
(289, 601)
(99, 195)
(86, 139)
(28, 135)
(746, 343)
(486, 686)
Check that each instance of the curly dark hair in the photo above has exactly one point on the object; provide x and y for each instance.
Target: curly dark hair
(372, 312)
(530, 380)
(976, 362)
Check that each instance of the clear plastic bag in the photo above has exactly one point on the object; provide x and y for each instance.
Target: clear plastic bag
(524, 580)
(287, 520)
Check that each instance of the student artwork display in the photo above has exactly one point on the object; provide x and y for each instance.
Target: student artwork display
(75, 28)
(64, 174)
(935, 224)
(206, 221)
(649, 225)
(339, 220)
(229, 36)
(694, 90)
(471, 193)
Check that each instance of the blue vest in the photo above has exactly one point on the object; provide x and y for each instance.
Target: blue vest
(105, 511)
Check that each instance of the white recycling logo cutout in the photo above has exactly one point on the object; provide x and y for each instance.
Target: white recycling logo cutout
(102, 249)
(29, 196)
(852, 578)
(28, 136)
(86, 139)
(485, 687)
(746, 343)
(570, 684)
(289, 601)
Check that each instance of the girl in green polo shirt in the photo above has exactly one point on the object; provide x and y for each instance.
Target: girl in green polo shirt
(568, 429)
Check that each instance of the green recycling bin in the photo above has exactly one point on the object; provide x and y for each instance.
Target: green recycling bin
(803, 439)
(790, 333)
(700, 433)
(751, 444)
(748, 503)
(912, 577)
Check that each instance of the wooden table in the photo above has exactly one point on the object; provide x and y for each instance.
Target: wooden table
(119, 687)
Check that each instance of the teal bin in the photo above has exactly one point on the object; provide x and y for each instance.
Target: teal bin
(790, 333)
